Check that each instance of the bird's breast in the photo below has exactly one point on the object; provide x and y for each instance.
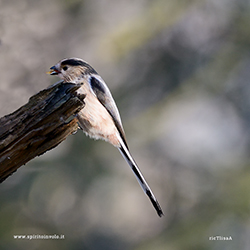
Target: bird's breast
(95, 120)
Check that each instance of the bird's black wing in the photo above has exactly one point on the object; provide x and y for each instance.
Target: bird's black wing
(103, 94)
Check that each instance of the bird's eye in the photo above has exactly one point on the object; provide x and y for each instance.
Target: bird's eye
(65, 68)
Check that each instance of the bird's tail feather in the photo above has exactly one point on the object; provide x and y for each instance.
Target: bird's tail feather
(127, 156)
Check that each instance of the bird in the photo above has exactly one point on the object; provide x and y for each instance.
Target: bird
(100, 118)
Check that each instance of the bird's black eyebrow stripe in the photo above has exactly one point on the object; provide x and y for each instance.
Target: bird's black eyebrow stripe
(75, 62)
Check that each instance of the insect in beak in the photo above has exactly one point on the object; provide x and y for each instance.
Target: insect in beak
(53, 71)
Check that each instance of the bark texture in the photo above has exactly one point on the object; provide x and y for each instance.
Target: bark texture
(40, 125)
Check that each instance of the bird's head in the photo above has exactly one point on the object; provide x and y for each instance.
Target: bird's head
(71, 69)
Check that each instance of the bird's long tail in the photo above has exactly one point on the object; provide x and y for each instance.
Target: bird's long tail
(127, 156)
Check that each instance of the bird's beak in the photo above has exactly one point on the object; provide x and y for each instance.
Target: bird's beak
(53, 71)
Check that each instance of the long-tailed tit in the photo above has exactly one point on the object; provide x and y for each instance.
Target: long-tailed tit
(100, 117)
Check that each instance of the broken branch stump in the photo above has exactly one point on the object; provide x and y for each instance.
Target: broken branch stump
(40, 125)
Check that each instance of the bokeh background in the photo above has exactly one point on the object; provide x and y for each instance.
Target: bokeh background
(179, 72)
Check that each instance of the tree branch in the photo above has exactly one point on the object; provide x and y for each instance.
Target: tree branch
(40, 125)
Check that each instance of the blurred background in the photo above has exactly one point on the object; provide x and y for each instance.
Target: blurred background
(179, 72)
